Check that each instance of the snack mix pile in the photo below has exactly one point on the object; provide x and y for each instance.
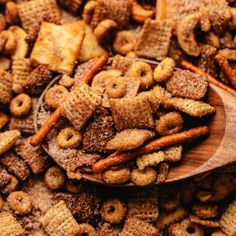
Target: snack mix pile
(112, 91)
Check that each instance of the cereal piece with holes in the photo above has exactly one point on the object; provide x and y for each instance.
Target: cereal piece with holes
(154, 40)
(4, 177)
(6, 81)
(20, 105)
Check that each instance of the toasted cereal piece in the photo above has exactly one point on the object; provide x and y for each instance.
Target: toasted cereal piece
(7, 42)
(66, 81)
(173, 154)
(204, 195)
(144, 206)
(19, 202)
(154, 40)
(219, 13)
(20, 71)
(143, 71)
(190, 107)
(118, 11)
(99, 82)
(88, 11)
(38, 79)
(204, 222)
(54, 178)
(86, 229)
(71, 5)
(5, 63)
(169, 123)
(113, 211)
(218, 233)
(119, 176)
(80, 105)
(34, 156)
(129, 139)
(164, 70)
(205, 211)
(64, 60)
(125, 41)
(122, 64)
(212, 39)
(11, 186)
(15, 165)
(131, 113)
(55, 96)
(11, 13)
(33, 13)
(169, 218)
(98, 133)
(187, 84)
(169, 199)
(101, 32)
(132, 86)
(186, 36)
(185, 227)
(204, 20)
(162, 172)
(207, 62)
(6, 81)
(20, 105)
(149, 160)
(4, 177)
(25, 124)
(3, 23)
(69, 138)
(223, 186)
(228, 220)
(136, 227)
(109, 230)
(143, 177)
(8, 139)
(4, 118)
(10, 226)
(58, 221)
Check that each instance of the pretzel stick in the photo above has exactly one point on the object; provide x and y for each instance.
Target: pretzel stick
(161, 10)
(102, 60)
(44, 130)
(224, 64)
(166, 141)
(187, 65)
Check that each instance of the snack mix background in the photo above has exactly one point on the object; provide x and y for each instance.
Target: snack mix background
(113, 78)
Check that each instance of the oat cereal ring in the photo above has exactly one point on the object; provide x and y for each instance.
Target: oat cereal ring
(143, 71)
(100, 80)
(69, 138)
(3, 119)
(103, 28)
(113, 211)
(55, 96)
(11, 186)
(54, 178)
(11, 13)
(124, 42)
(86, 229)
(119, 176)
(164, 70)
(7, 42)
(115, 87)
(88, 11)
(169, 123)
(21, 105)
(143, 177)
(19, 202)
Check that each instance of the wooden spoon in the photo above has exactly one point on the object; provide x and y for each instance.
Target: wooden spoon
(216, 151)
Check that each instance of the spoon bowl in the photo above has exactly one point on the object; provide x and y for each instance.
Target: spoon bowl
(215, 151)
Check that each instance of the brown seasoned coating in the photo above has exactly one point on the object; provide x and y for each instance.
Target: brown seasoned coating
(80, 104)
(138, 228)
(121, 63)
(162, 172)
(116, 10)
(154, 40)
(205, 211)
(109, 230)
(71, 5)
(38, 79)
(4, 177)
(15, 165)
(98, 133)
(11, 13)
(11, 186)
(209, 223)
(129, 139)
(206, 61)
(6, 81)
(131, 113)
(33, 156)
(187, 84)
